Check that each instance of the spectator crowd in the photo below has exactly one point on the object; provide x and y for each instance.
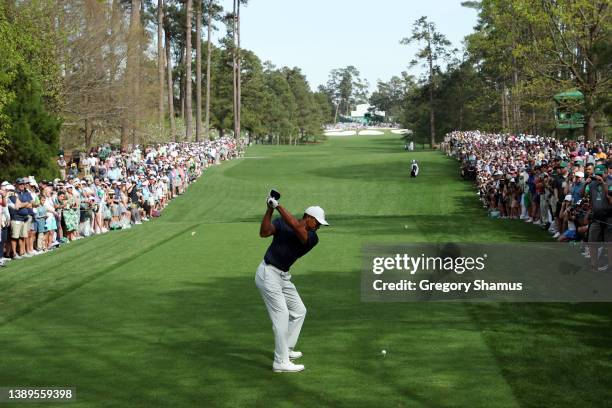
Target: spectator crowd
(100, 191)
(564, 186)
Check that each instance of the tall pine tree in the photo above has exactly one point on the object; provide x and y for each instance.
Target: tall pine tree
(33, 135)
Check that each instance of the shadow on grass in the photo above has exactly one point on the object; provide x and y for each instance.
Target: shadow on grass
(210, 343)
(395, 169)
(387, 171)
(546, 351)
(465, 226)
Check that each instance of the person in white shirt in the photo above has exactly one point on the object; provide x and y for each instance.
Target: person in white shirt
(5, 219)
(414, 169)
(90, 164)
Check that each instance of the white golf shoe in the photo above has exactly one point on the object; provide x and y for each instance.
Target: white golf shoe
(287, 367)
(293, 355)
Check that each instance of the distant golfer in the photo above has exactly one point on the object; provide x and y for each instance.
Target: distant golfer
(414, 170)
(293, 238)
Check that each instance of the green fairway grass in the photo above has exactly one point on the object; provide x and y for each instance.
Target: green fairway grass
(155, 316)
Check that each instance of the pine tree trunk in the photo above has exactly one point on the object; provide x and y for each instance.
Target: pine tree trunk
(589, 118)
(503, 108)
(234, 79)
(507, 105)
(188, 71)
(160, 61)
(516, 100)
(138, 106)
(208, 60)
(173, 134)
(182, 85)
(238, 72)
(432, 116)
(198, 70)
(60, 27)
(89, 132)
(132, 69)
(118, 98)
(589, 126)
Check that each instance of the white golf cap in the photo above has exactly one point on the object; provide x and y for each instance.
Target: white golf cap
(318, 214)
(568, 197)
(579, 174)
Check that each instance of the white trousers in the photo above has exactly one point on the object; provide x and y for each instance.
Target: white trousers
(285, 308)
(524, 213)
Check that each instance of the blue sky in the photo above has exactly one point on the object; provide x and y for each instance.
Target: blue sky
(319, 35)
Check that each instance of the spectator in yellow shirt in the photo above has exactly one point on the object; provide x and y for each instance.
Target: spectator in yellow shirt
(600, 154)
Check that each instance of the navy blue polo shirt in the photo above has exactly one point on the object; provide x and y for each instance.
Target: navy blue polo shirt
(23, 213)
(25, 197)
(286, 247)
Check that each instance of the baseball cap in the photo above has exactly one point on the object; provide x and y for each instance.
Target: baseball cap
(568, 197)
(318, 214)
(579, 174)
(600, 169)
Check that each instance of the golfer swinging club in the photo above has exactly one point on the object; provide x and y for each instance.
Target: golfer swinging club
(293, 238)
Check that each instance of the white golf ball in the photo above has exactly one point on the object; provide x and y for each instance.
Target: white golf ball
(405, 227)
(192, 233)
(384, 352)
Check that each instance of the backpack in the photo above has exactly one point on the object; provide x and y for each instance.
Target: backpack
(599, 202)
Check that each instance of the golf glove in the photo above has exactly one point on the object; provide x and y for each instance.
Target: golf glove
(271, 202)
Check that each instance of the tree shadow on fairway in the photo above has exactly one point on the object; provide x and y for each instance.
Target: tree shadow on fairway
(375, 149)
(209, 342)
(341, 339)
(198, 347)
(339, 342)
(461, 227)
(394, 168)
(471, 210)
(547, 351)
(385, 171)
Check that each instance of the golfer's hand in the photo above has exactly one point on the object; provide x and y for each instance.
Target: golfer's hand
(271, 202)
